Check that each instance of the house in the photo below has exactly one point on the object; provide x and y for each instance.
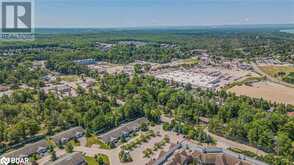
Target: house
(75, 158)
(65, 136)
(39, 148)
(123, 130)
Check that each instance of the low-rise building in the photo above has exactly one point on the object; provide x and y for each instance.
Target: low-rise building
(184, 153)
(65, 136)
(39, 148)
(75, 158)
(125, 129)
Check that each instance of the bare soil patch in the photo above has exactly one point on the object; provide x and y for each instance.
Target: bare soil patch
(267, 90)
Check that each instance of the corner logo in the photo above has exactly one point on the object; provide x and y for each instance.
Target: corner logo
(17, 19)
(4, 161)
(16, 16)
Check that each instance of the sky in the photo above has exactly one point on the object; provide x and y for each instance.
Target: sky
(157, 13)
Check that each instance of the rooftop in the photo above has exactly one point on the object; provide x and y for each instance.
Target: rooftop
(28, 149)
(75, 158)
(67, 134)
(117, 132)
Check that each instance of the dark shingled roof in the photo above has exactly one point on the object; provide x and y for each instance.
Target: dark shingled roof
(28, 149)
(71, 133)
(118, 132)
(75, 158)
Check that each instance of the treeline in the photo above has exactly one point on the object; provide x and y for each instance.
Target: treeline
(232, 43)
(153, 53)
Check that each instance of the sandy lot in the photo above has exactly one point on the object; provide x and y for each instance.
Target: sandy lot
(267, 90)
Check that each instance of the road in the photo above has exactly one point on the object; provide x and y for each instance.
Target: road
(226, 143)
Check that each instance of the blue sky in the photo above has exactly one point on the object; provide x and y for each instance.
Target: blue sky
(142, 13)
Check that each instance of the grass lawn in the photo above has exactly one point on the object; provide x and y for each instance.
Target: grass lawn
(94, 140)
(105, 158)
(91, 160)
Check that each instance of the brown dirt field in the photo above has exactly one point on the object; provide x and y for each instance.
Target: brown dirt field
(267, 90)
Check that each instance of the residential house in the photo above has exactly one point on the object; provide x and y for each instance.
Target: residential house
(65, 136)
(75, 158)
(39, 148)
(123, 130)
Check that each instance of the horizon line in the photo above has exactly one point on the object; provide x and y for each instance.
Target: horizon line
(168, 26)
